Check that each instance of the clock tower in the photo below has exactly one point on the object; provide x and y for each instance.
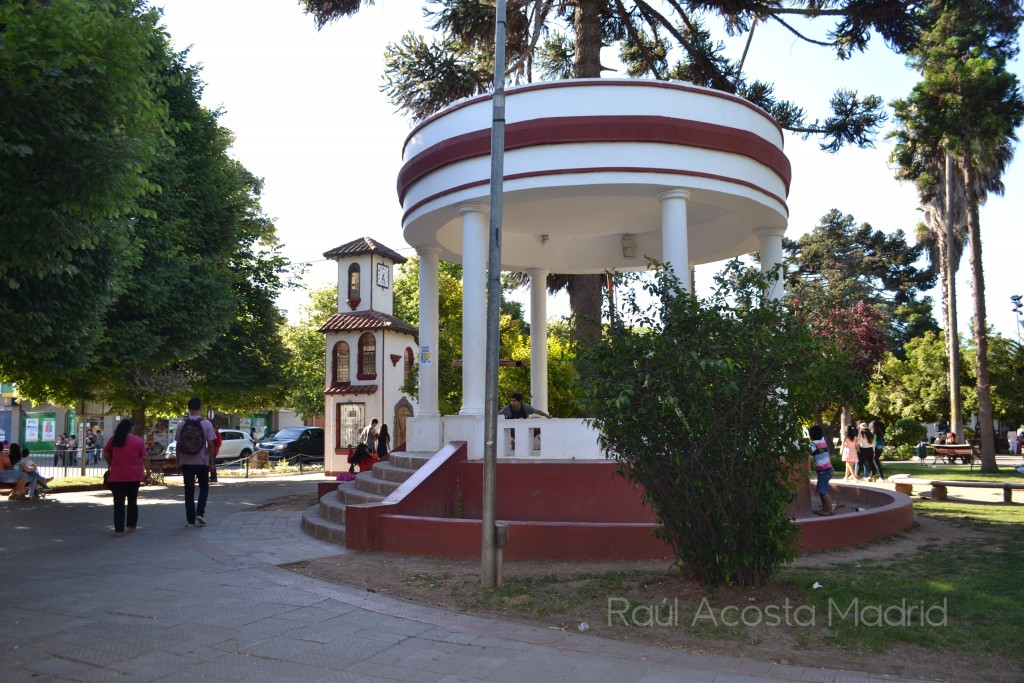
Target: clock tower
(369, 351)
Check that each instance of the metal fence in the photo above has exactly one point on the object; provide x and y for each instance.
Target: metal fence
(59, 464)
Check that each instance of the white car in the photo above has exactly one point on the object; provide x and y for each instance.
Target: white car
(236, 445)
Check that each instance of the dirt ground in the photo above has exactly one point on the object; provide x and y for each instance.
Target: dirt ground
(455, 585)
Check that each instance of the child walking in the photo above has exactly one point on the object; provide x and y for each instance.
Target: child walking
(823, 465)
(850, 454)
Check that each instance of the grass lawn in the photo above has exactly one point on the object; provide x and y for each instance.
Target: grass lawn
(942, 604)
(979, 581)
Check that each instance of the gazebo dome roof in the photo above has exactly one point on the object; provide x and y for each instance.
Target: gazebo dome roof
(585, 163)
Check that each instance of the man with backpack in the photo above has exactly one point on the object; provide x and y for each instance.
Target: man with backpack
(195, 439)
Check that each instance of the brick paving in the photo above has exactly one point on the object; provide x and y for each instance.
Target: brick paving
(169, 603)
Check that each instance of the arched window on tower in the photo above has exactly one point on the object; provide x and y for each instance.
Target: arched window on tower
(342, 368)
(409, 360)
(367, 357)
(353, 286)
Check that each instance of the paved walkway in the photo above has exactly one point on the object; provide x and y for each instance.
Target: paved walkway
(169, 603)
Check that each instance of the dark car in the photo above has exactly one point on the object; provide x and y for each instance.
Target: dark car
(295, 443)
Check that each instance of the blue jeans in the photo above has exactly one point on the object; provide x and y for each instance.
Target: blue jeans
(191, 473)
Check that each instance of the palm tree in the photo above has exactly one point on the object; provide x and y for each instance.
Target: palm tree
(967, 106)
(943, 219)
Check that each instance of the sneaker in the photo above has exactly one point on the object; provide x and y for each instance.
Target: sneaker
(200, 521)
(191, 524)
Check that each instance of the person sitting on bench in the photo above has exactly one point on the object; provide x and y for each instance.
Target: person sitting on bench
(9, 475)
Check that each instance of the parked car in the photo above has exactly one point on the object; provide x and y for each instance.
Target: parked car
(236, 444)
(295, 443)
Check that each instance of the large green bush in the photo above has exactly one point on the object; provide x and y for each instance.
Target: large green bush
(905, 432)
(700, 401)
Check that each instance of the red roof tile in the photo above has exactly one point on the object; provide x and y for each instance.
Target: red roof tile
(367, 320)
(352, 389)
(364, 245)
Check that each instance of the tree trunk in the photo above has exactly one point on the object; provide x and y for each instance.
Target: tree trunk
(988, 445)
(585, 290)
(587, 26)
(585, 302)
(139, 416)
(952, 337)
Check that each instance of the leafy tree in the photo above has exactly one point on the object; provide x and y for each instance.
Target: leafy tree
(547, 40)
(856, 344)
(851, 263)
(1006, 363)
(563, 378)
(968, 106)
(702, 402)
(308, 348)
(201, 282)
(246, 369)
(917, 388)
(81, 121)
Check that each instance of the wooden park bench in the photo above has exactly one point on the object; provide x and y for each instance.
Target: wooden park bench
(964, 452)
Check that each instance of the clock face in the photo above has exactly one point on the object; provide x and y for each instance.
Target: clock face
(383, 275)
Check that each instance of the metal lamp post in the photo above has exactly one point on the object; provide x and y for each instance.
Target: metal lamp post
(1017, 306)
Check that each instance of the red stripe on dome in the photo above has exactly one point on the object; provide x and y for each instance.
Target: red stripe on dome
(598, 129)
(588, 83)
(602, 169)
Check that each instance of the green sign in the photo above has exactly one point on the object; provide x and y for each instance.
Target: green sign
(39, 430)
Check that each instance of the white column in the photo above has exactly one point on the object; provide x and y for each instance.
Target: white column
(538, 338)
(429, 257)
(675, 250)
(771, 255)
(474, 307)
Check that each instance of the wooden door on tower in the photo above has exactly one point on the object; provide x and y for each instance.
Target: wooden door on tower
(402, 413)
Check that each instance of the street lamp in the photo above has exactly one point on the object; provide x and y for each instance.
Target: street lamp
(1017, 307)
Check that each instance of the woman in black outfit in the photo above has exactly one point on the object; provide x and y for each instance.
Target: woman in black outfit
(865, 451)
(383, 443)
(878, 434)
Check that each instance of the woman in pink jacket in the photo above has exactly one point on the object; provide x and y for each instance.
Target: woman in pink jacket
(128, 459)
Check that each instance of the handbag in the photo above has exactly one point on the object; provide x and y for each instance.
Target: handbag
(106, 480)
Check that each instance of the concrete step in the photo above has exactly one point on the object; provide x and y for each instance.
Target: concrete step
(332, 509)
(323, 529)
(371, 484)
(410, 459)
(350, 495)
(326, 520)
(388, 471)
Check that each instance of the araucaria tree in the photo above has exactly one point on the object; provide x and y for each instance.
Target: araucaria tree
(967, 105)
(701, 402)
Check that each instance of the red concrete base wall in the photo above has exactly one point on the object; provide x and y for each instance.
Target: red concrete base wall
(324, 488)
(527, 540)
(890, 513)
(563, 490)
(558, 510)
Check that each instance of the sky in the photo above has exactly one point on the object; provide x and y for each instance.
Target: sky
(308, 117)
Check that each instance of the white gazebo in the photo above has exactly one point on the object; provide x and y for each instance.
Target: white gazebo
(600, 174)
